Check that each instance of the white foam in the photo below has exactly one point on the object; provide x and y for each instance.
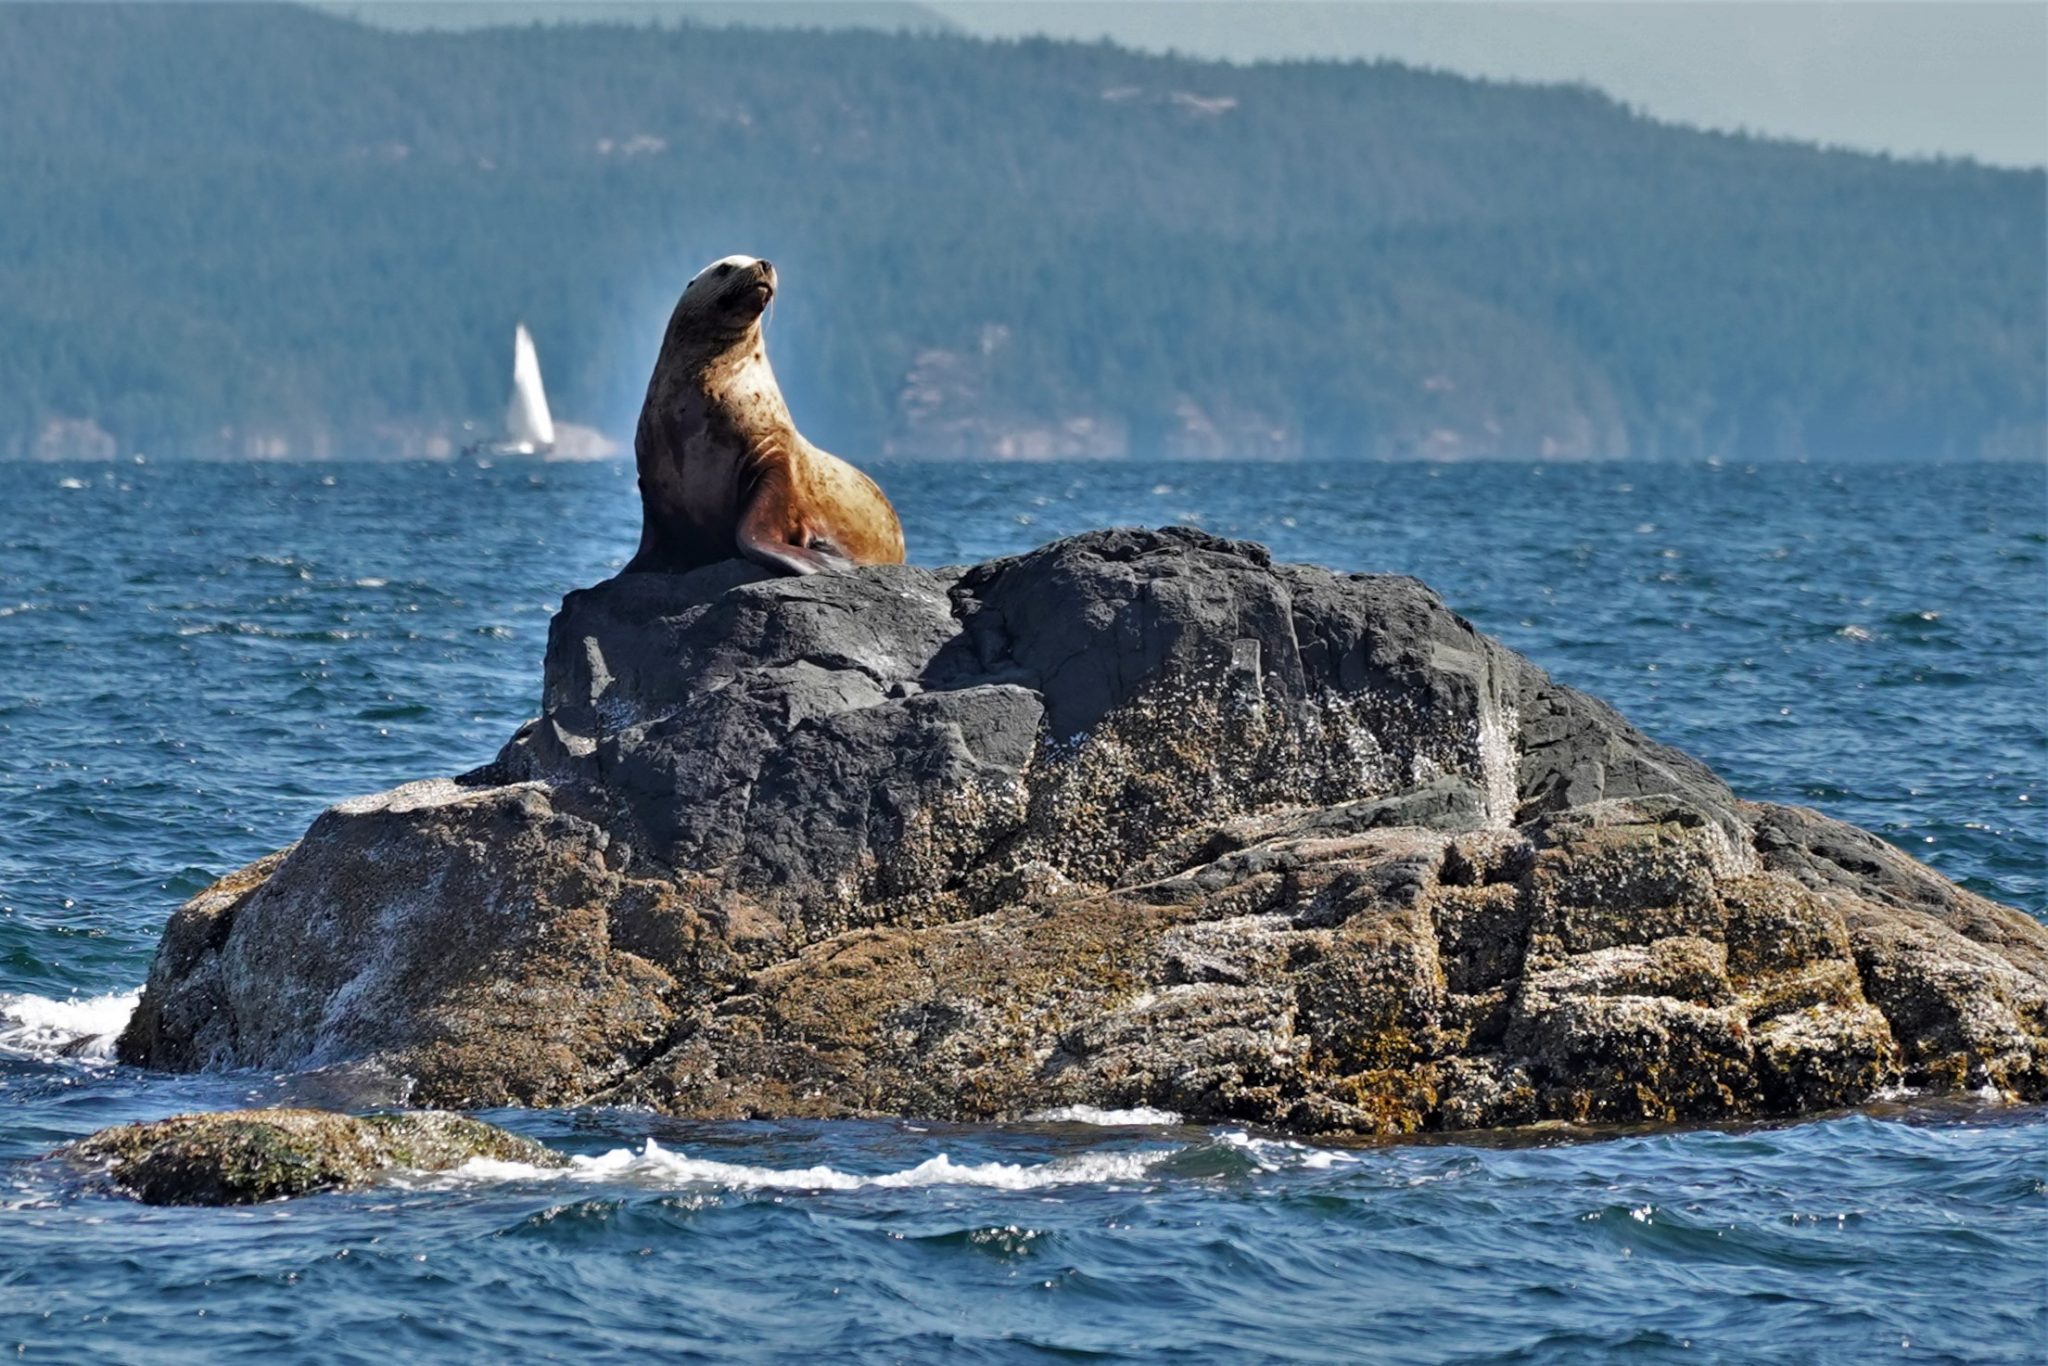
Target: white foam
(654, 1165)
(1276, 1154)
(1142, 1115)
(83, 1029)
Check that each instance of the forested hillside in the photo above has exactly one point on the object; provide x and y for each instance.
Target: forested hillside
(263, 229)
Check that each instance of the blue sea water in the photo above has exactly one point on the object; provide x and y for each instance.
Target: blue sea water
(194, 659)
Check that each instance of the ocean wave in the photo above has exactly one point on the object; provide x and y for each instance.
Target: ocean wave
(1141, 1115)
(655, 1166)
(82, 1029)
(1282, 1154)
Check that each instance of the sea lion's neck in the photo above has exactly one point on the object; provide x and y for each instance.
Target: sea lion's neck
(696, 349)
(741, 380)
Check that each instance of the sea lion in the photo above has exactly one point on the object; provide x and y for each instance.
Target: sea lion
(723, 470)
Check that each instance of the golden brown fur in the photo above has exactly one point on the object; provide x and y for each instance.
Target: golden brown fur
(723, 469)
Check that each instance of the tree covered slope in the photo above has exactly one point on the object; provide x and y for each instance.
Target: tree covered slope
(254, 228)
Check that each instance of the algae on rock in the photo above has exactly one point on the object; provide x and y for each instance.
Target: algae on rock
(1136, 819)
(243, 1157)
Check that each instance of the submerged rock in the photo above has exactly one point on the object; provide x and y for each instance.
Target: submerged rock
(245, 1156)
(1136, 819)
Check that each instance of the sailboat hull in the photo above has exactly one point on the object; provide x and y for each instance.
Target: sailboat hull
(508, 448)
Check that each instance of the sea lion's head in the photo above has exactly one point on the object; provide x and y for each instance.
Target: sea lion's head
(722, 306)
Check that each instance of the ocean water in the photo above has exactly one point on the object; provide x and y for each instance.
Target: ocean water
(194, 659)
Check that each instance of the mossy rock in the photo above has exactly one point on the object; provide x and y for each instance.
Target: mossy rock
(242, 1157)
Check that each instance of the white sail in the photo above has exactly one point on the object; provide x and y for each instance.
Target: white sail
(527, 420)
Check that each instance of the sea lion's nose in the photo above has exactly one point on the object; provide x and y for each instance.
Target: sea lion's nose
(767, 267)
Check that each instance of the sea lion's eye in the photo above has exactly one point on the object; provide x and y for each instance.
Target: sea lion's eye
(725, 270)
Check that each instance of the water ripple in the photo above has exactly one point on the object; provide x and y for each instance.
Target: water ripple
(197, 659)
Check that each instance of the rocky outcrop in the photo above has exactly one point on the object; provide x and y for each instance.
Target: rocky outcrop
(1139, 818)
(242, 1157)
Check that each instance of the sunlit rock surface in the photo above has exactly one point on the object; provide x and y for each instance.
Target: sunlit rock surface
(1137, 819)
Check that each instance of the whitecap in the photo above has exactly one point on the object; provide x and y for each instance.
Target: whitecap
(83, 1029)
(1278, 1154)
(1095, 1114)
(656, 1166)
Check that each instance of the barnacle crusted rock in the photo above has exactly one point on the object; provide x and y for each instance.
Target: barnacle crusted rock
(242, 1157)
(1138, 818)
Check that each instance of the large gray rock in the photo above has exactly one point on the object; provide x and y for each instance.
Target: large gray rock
(1139, 818)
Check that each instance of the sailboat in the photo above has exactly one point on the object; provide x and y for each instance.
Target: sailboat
(529, 427)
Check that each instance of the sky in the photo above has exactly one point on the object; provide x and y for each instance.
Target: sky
(1963, 78)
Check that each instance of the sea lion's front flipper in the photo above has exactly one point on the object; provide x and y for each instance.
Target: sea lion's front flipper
(766, 535)
(788, 559)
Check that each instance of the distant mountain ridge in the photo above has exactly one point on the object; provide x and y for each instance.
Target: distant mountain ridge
(246, 229)
(887, 16)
